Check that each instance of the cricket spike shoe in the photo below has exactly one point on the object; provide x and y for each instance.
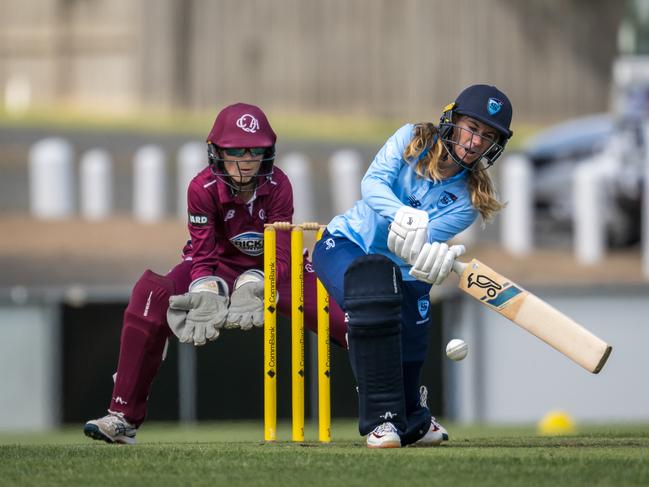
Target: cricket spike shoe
(436, 432)
(112, 428)
(384, 436)
(434, 436)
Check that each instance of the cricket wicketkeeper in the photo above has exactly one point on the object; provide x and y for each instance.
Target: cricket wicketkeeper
(219, 283)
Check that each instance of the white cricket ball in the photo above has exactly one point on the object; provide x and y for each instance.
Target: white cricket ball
(457, 349)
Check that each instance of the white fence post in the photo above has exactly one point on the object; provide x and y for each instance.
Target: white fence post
(96, 178)
(298, 169)
(345, 174)
(191, 159)
(589, 227)
(51, 179)
(518, 216)
(149, 184)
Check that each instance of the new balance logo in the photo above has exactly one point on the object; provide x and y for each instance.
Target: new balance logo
(414, 202)
(388, 415)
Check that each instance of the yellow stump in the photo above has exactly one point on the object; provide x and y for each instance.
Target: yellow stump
(270, 326)
(297, 335)
(297, 332)
(324, 373)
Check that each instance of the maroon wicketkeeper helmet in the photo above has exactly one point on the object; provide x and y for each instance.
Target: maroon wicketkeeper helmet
(241, 126)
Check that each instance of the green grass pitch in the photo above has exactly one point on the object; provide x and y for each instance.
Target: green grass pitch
(233, 454)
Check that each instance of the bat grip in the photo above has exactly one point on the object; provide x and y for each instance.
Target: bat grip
(459, 267)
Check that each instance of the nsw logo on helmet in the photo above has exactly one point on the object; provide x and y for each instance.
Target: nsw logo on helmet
(248, 123)
(494, 105)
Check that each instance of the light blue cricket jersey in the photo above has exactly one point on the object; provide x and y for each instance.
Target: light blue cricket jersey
(390, 183)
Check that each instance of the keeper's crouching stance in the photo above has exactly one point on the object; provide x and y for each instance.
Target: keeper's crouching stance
(219, 283)
(147, 327)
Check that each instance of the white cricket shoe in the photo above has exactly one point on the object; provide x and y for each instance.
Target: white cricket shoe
(384, 436)
(436, 432)
(112, 428)
(434, 436)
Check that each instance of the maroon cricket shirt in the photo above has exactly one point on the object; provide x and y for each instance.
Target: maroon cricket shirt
(228, 233)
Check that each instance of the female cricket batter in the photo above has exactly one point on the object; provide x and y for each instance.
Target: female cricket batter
(379, 260)
(219, 283)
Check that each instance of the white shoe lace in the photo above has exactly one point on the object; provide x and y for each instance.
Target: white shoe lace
(115, 414)
(117, 421)
(423, 396)
(385, 428)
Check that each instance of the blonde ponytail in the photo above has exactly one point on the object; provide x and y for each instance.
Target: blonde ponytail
(483, 195)
(481, 188)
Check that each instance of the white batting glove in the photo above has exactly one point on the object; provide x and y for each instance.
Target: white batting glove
(435, 262)
(408, 233)
(247, 301)
(198, 315)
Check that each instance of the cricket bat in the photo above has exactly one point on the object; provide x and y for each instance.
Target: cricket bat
(533, 315)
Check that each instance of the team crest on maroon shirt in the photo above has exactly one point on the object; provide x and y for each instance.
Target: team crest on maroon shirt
(250, 243)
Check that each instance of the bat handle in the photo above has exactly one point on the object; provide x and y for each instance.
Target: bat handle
(459, 267)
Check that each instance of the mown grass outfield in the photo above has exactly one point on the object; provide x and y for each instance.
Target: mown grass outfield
(233, 454)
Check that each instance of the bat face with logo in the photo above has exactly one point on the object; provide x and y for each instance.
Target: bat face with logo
(533, 314)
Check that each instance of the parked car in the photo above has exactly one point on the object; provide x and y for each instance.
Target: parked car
(617, 145)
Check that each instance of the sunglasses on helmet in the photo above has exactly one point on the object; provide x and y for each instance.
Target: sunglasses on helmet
(240, 151)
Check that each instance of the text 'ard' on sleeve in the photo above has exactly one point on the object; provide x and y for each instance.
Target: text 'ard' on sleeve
(201, 209)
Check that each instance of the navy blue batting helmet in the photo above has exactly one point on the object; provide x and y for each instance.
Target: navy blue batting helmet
(487, 104)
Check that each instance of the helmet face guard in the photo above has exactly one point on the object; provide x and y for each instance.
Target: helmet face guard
(217, 165)
(241, 128)
(449, 135)
(485, 104)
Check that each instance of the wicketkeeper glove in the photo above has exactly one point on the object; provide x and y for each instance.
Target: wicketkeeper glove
(198, 315)
(408, 233)
(247, 301)
(435, 262)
